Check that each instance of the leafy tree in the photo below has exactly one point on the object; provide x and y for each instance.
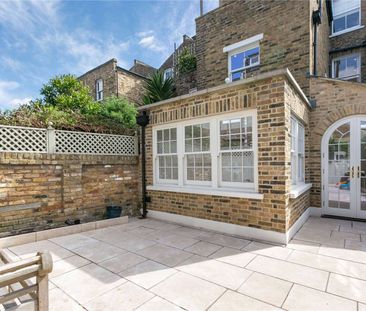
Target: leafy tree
(67, 92)
(158, 89)
(119, 110)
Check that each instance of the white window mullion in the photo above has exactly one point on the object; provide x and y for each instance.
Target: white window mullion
(180, 150)
(215, 139)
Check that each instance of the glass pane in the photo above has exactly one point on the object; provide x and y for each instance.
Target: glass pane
(161, 161)
(353, 19)
(190, 160)
(236, 76)
(205, 144)
(197, 144)
(166, 148)
(188, 145)
(226, 174)
(173, 134)
(166, 135)
(237, 61)
(168, 173)
(248, 159)
(207, 160)
(363, 131)
(190, 174)
(168, 161)
(175, 161)
(246, 141)
(235, 126)
(252, 52)
(196, 131)
(339, 24)
(224, 127)
(198, 173)
(207, 174)
(188, 132)
(237, 175)
(206, 130)
(237, 159)
(198, 160)
(175, 173)
(162, 173)
(226, 159)
(225, 142)
(173, 147)
(160, 148)
(235, 141)
(248, 175)
(160, 135)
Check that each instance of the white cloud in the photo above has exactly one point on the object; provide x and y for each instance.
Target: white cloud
(9, 95)
(150, 42)
(11, 63)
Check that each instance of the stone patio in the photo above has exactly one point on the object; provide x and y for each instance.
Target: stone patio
(154, 265)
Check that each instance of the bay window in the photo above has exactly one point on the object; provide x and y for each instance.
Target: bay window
(214, 153)
(346, 15)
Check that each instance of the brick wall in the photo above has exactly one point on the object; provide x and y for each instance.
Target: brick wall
(267, 95)
(335, 100)
(286, 42)
(116, 82)
(107, 72)
(131, 87)
(39, 191)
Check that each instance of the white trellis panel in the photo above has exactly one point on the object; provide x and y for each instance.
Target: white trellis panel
(23, 139)
(92, 143)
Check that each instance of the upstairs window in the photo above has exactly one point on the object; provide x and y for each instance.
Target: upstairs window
(99, 89)
(242, 60)
(243, 56)
(297, 152)
(168, 73)
(346, 15)
(347, 68)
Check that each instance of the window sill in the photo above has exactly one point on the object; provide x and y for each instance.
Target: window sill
(298, 190)
(346, 31)
(216, 192)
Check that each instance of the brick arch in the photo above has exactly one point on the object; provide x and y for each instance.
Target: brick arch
(338, 114)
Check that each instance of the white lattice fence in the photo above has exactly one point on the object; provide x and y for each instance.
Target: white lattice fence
(23, 139)
(26, 139)
(91, 143)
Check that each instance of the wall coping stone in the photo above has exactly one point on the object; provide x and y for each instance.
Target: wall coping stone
(280, 72)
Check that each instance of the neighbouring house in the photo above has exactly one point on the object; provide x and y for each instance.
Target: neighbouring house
(276, 129)
(109, 79)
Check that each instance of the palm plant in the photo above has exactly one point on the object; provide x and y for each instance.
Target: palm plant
(158, 89)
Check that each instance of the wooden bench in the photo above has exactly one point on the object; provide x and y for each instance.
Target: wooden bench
(15, 279)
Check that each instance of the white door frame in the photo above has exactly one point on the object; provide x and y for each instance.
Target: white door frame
(355, 151)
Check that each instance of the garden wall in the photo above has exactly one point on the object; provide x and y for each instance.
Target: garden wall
(40, 191)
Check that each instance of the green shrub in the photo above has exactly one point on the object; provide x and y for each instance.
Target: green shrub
(187, 62)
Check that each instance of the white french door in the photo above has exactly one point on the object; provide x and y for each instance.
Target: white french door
(344, 168)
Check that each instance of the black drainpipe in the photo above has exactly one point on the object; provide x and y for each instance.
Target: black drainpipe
(317, 20)
(143, 120)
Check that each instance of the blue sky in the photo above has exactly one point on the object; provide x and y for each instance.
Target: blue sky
(39, 39)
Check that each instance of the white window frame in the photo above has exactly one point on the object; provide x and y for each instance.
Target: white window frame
(166, 71)
(358, 75)
(344, 14)
(156, 159)
(243, 50)
(99, 93)
(297, 176)
(185, 177)
(214, 184)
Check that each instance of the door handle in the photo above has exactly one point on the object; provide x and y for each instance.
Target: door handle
(358, 172)
(352, 172)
